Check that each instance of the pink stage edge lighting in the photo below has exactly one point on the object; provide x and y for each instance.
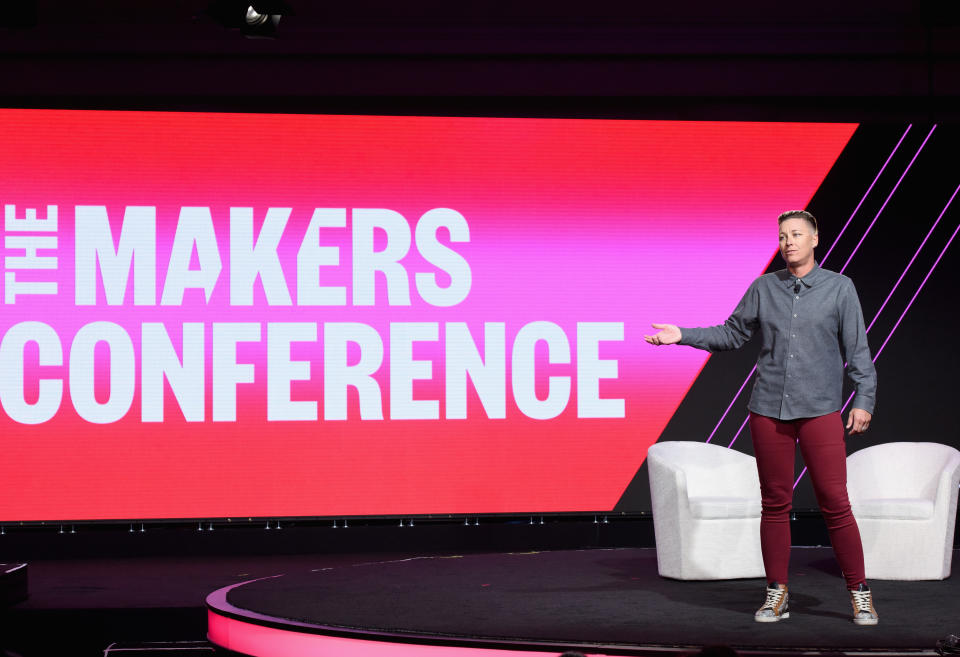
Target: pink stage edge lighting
(262, 641)
(250, 633)
(363, 315)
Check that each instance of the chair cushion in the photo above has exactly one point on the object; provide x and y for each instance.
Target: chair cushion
(893, 508)
(724, 507)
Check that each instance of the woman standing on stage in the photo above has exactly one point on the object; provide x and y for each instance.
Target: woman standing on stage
(811, 324)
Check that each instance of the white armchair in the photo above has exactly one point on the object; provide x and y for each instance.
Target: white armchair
(706, 511)
(904, 497)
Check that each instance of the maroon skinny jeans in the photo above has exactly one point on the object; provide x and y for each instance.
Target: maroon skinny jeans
(823, 447)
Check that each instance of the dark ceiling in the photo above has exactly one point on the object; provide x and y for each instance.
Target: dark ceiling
(811, 60)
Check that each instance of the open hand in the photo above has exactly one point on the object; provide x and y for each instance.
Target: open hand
(668, 334)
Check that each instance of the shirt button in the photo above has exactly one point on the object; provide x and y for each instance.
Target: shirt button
(796, 297)
(786, 395)
(794, 314)
(791, 355)
(794, 335)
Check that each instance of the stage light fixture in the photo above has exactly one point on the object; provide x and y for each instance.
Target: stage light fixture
(260, 22)
(255, 19)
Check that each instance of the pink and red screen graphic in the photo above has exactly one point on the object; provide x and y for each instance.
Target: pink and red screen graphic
(324, 285)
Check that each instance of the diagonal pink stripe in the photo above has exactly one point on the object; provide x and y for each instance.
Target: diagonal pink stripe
(730, 405)
(742, 425)
(889, 196)
(835, 241)
(907, 268)
(910, 303)
(900, 319)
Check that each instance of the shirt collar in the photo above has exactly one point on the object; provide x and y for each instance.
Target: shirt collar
(808, 281)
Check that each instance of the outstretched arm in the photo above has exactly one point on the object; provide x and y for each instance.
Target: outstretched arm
(732, 334)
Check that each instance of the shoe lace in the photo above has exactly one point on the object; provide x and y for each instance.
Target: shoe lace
(861, 600)
(774, 596)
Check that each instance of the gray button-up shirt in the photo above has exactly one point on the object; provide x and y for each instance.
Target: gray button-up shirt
(807, 337)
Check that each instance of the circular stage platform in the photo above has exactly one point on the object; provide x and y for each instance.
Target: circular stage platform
(595, 601)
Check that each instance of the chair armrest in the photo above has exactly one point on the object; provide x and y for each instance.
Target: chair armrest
(948, 486)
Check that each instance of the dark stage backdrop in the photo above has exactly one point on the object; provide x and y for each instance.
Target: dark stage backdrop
(232, 316)
(888, 219)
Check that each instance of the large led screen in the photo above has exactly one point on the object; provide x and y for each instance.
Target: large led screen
(239, 315)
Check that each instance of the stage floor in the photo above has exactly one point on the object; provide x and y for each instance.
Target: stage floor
(607, 601)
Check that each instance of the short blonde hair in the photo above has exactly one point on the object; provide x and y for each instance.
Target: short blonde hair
(798, 214)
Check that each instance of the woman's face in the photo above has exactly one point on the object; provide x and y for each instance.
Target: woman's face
(797, 241)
